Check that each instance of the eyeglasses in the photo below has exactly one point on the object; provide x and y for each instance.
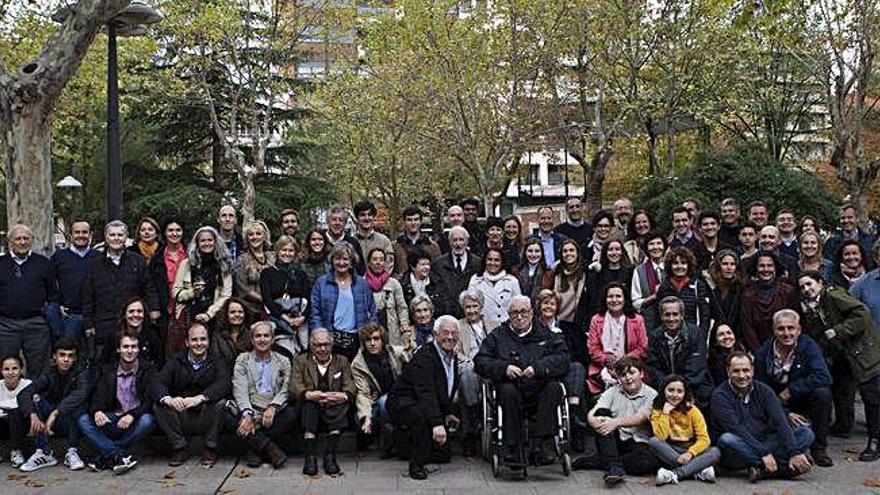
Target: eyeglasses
(321, 344)
(519, 312)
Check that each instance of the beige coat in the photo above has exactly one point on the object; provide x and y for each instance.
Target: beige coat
(467, 346)
(182, 292)
(244, 383)
(365, 382)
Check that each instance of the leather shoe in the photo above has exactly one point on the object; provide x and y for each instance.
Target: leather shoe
(417, 472)
(821, 458)
(276, 455)
(330, 465)
(252, 459)
(872, 450)
(310, 466)
(178, 458)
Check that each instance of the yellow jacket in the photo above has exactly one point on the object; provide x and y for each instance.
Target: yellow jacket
(679, 427)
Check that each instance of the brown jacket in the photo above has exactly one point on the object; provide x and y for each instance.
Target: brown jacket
(305, 376)
(367, 386)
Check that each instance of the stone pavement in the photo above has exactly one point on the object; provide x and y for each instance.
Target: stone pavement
(367, 474)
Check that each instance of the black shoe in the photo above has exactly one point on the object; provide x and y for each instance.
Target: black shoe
(592, 461)
(756, 473)
(252, 458)
(440, 456)
(330, 465)
(872, 450)
(614, 475)
(97, 464)
(417, 472)
(541, 458)
(310, 466)
(821, 458)
(471, 446)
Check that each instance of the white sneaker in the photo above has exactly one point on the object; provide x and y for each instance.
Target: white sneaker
(124, 465)
(707, 475)
(72, 460)
(16, 458)
(665, 476)
(38, 461)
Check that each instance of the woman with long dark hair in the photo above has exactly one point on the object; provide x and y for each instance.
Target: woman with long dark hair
(533, 268)
(498, 286)
(569, 281)
(614, 266)
(726, 281)
(616, 331)
(767, 293)
(642, 225)
(133, 318)
(683, 282)
(314, 258)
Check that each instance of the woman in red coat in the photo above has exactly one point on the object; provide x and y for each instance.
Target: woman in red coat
(616, 331)
(765, 295)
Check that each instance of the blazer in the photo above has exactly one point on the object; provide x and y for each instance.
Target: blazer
(306, 374)
(423, 384)
(366, 384)
(244, 383)
(449, 283)
(467, 346)
(105, 398)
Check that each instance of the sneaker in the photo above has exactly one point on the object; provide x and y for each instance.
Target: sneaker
(16, 458)
(614, 475)
(38, 461)
(96, 465)
(72, 460)
(707, 475)
(124, 464)
(665, 477)
(755, 474)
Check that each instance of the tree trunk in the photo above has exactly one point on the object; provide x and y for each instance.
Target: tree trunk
(596, 179)
(653, 161)
(27, 163)
(249, 196)
(218, 169)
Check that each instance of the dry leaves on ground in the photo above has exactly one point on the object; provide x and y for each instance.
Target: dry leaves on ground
(242, 473)
(16, 477)
(226, 491)
(169, 475)
(872, 482)
(34, 484)
(852, 449)
(170, 483)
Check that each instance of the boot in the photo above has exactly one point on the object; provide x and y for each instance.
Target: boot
(872, 450)
(330, 465)
(276, 456)
(252, 459)
(386, 441)
(310, 466)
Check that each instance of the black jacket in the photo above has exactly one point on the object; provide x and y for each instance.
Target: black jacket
(275, 283)
(449, 284)
(149, 344)
(108, 286)
(541, 349)
(686, 357)
(422, 383)
(104, 399)
(179, 379)
(69, 392)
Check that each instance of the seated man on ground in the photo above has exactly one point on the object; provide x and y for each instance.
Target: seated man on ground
(621, 419)
(755, 433)
(53, 403)
(422, 399)
(121, 405)
(260, 383)
(526, 362)
(376, 369)
(323, 387)
(191, 390)
(791, 363)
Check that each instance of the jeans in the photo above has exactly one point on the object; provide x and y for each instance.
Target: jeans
(737, 454)
(112, 441)
(668, 454)
(816, 405)
(65, 425)
(64, 327)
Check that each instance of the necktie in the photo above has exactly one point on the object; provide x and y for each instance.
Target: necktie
(458, 267)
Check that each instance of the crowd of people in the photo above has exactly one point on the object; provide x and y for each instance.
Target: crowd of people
(733, 342)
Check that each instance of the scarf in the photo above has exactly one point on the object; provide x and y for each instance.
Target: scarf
(424, 333)
(419, 286)
(679, 283)
(494, 278)
(209, 271)
(651, 275)
(376, 281)
(148, 250)
(613, 342)
(850, 273)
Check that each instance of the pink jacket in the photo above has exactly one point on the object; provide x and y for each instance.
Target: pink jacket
(636, 346)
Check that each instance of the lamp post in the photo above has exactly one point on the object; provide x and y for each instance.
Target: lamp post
(130, 21)
(68, 186)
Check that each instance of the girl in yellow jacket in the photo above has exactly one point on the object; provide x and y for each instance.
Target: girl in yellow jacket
(681, 439)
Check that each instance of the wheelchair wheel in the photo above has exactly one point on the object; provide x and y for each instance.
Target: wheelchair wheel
(566, 464)
(486, 434)
(496, 468)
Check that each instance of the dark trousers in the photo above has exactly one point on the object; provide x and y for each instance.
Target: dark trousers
(283, 424)
(737, 454)
(634, 457)
(413, 418)
(870, 391)
(843, 393)
(65, 426)
(816, 405)
(576, 338)
(30, 336)
(333, 418)
(202, 420)
(18, 427)
(516, 402)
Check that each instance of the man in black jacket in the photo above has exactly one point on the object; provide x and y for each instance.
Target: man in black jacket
(53, 403)
(451, 273)
(191, 391)
(422, 399)
(120, 413)
(525, 362)
(111, 280)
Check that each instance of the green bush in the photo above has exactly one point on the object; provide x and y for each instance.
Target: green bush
(743, 173)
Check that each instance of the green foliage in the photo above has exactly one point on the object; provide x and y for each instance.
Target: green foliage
(747, 174)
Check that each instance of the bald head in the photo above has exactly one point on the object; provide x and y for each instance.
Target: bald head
(769, 238)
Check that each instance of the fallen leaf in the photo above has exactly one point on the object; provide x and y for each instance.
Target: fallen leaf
(16, 477)
(872, 482)
(644, 481)
(170, 483)
(761, 493)
(226, 491)
(852, 449)
(242, 473)
(787, 492)
(170, 475)
(34, 484)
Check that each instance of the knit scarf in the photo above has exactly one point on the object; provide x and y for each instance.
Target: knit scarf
(494, 278)
(376, 281)
(148, 250)
(852, 273)
(679, 283)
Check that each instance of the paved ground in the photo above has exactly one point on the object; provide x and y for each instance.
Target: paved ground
(368, 475)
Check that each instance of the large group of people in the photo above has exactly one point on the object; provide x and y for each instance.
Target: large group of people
(729, 341)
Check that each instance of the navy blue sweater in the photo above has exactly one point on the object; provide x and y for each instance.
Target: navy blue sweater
(808, 372)
(25, 295)
(753, 420)
(68, 271)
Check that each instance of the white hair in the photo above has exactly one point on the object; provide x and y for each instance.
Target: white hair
(460, 230)
(445, 320)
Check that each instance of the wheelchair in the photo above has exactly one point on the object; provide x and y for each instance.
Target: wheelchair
(493, 442)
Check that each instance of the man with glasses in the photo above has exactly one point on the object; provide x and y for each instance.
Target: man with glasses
(525, 362)
(26, 286)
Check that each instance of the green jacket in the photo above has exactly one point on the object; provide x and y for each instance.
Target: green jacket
(856, 331)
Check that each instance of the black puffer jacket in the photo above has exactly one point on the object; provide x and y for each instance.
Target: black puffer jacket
(541, 349)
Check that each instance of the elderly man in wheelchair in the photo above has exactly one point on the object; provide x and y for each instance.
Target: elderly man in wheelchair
(525, 363)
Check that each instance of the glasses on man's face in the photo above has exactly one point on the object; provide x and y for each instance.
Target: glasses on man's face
(321, 345)
(519, 313)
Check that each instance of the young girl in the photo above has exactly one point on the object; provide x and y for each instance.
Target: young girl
(12, 384)
(681, 439)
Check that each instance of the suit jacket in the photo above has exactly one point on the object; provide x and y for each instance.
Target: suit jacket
(449, 283)
(306, 374)
(423, 384)
(105, 399)
(467, 346)
(244, 383)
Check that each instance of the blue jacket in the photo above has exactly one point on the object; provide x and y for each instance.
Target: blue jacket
(325, 293)
(808, 372)
(833, 244)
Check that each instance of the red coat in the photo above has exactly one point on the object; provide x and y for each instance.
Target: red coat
(636, 346)
(756, 316)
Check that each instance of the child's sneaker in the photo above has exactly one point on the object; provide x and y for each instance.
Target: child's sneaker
(39, 460)
(665, 477)
(16, 458)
